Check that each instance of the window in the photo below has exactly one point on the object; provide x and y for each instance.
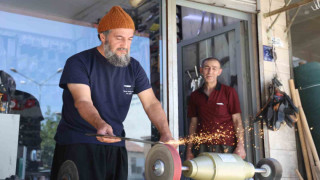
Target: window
(33, 52)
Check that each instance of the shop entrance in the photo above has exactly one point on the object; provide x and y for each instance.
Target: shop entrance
(228, 41)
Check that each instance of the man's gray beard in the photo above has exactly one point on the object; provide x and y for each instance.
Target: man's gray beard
(114, 59)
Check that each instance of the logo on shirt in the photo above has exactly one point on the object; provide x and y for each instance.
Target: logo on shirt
(127, 89)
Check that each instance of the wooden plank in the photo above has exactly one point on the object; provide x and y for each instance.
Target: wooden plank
(307, 132)
(311, 160)
(300, 130)
(299, 175)
(286, 8)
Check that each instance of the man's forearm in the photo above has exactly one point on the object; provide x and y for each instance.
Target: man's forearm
(158, 118)
(89, 113)
(192, 131)
(238, 128)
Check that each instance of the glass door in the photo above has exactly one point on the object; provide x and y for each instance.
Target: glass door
(228, 45)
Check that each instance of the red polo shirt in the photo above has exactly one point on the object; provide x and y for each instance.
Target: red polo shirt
(214, 113)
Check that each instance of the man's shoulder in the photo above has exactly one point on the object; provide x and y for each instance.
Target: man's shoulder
(83, 55)
(197, 92)
(228, 90)
(134, 62)
(226, 87)
(135, 65)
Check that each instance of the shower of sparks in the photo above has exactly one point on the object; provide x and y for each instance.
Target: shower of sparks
(201, 138)
(212, 138)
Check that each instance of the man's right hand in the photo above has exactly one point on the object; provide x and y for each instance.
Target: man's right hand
(189, 155)
(81, 94)
(105, 129)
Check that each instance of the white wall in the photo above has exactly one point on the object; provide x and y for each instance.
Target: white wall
(280, 144)
(9, 131)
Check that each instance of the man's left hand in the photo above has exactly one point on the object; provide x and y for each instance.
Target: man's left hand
(168, 139)
(240, 151)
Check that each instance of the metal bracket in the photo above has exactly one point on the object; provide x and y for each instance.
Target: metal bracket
(275, 20)
(285, 8)
(316, 4)
(293, 18)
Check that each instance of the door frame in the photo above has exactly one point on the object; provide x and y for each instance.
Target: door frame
(240, 71)
(243, 77)
(171, 65)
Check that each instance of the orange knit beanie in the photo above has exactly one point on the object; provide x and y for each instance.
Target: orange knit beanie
(115, 18)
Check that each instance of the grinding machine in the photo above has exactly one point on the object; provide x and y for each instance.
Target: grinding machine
(163, 163)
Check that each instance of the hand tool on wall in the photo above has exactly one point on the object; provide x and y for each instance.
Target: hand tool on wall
(279, 108)
(195, 82)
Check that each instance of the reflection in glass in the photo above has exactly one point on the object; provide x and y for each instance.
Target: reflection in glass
(196, 22)
(33, 53)
(34, 57)
(222, 47)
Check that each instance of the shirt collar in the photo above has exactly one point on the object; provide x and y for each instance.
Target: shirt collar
(218, 87)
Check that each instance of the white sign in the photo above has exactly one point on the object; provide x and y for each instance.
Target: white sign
(276, 42)
(9, 132)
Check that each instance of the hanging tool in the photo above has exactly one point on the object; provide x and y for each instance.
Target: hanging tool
(279, 108)
(195, 82)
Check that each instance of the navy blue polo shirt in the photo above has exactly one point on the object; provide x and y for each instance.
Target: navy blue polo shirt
(111, 92)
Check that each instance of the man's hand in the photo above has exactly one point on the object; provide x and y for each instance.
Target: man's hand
(189, 155)
(240, 151)
(168, 139)
(105, 129)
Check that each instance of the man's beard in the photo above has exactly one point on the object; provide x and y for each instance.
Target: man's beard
(114, 59)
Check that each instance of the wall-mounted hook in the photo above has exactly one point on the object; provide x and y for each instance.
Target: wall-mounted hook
(316, 4)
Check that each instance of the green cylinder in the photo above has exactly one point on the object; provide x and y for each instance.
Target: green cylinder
(307, 81)
(210, 166)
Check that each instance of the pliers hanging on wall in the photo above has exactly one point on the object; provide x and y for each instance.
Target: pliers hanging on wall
(279, 108)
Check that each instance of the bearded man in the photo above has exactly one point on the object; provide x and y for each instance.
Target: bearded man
(98, 85)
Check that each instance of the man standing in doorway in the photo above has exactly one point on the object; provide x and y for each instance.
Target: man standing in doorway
(98, 86)
(215, 112)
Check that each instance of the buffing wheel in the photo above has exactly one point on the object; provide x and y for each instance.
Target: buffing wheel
(273, 167)
(163, 163)
(68, 171)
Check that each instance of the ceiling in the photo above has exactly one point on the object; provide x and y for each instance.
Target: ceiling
(83, 12)
(89, 11)
(305, 31)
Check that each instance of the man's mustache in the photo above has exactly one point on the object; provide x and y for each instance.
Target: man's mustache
(121, 49)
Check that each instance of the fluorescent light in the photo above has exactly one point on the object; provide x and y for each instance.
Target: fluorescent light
(192, 17)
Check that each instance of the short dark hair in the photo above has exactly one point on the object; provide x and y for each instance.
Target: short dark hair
(106, 33)
(210, 59)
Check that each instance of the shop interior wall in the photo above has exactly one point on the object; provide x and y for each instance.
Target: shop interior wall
(280, 144)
